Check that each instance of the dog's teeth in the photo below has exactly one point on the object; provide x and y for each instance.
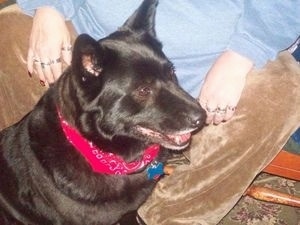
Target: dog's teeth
(178, 140)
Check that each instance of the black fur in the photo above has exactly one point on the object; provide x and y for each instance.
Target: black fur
(113, 87)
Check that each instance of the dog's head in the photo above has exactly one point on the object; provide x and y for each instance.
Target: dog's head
(126, 88)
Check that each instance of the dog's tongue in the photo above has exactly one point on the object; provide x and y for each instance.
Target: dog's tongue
(180, 139)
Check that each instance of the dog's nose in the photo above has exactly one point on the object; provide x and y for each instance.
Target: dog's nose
(197, 121)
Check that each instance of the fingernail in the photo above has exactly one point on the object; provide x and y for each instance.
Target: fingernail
(29, 74)
(42, 83)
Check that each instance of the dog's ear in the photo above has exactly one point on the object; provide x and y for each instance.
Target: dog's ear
(86, 56)
(143, 19)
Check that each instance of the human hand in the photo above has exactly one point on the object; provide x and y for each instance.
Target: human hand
(49, 45)
(223, 86)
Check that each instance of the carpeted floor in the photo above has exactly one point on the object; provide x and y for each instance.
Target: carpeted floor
(249, 211)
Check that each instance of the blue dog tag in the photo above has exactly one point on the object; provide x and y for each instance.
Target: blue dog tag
(155, 170)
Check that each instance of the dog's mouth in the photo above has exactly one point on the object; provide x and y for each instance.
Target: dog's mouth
(176, 141)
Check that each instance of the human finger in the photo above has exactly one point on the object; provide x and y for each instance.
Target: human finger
(36, 63)
(50, 61)
(56, 67)
(30, 61)
(47, 72)
(38, 68)
(66, 52)
(211, 110)
(230, 110)
(219, 115)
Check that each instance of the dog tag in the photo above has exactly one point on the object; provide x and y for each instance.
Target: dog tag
(155, 170)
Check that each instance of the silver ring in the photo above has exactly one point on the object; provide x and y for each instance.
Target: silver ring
(43, 65)
(209, 110)
(231, 108)
(35, 60)
(67, 48)
(220, 110)
(53, 61)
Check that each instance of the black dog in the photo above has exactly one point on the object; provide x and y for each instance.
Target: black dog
(89, 152)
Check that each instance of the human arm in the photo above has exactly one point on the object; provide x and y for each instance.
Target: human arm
(49, 36)
(223, 86)
(263, 29)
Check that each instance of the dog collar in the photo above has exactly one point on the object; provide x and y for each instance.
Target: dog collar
(109, 163)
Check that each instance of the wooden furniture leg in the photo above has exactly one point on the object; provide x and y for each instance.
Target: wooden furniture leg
(286, 165)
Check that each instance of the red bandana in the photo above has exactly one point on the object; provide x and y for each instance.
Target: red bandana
(105, 162)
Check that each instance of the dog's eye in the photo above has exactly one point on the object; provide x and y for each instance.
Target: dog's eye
(144, 91)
